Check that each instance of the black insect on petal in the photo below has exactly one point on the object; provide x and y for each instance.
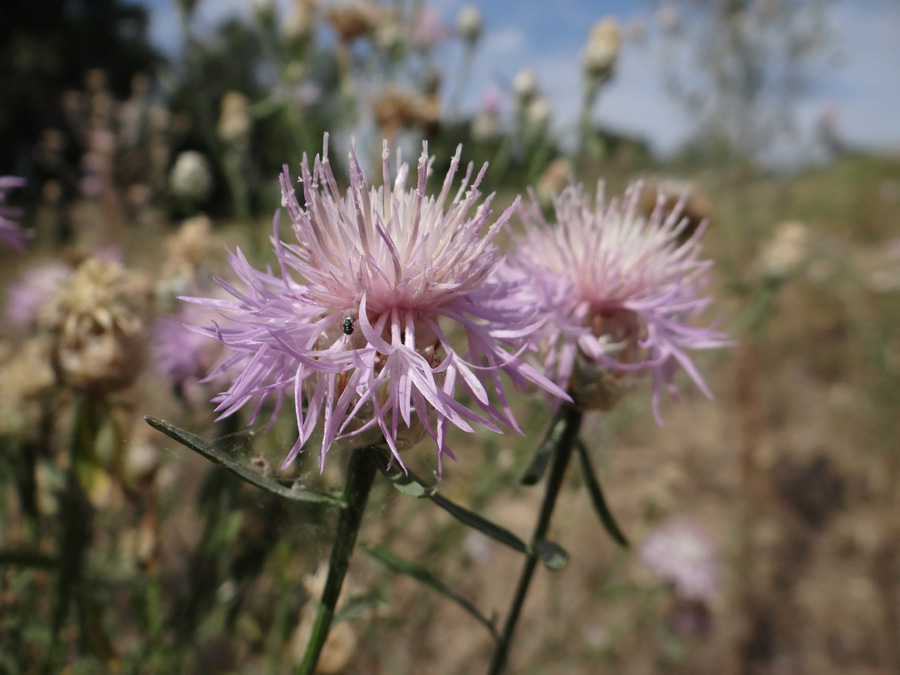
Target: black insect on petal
(348, 325)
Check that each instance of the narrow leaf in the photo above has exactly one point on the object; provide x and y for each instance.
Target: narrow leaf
(355, 607)
(402, 566)
(411, 485)
(544, 453)
(593, 485)
(554, 556)
(483, 525)
(245, 473)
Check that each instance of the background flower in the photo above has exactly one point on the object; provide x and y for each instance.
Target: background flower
(615, 289)
(683, 553)
(391, 281)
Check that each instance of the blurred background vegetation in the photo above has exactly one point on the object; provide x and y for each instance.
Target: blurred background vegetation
(122, 552)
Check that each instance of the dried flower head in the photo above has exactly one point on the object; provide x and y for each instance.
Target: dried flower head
(234, 122)
(10, 232)
(413, 273)
(683, 553)
(190, 249)
(397, 110)
(617, 292)
(355, 18)
(99, 322)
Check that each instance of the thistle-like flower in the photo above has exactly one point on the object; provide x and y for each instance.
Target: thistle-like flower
(682, 553)
(391, 281)
(617, 292)
(10, 232)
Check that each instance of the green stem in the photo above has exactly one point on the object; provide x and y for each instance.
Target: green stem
(572, 420)
(75, 528)
(360, 475)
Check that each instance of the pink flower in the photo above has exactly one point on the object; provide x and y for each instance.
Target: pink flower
(180, 354)
(394, 313)
(682, 552)
(33, 288)
(617, 291)
(429, 29)
(10, 232)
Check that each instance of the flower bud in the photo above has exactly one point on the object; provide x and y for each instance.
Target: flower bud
(469, 24)
(525, 86)
(191, 177)
(602, 50)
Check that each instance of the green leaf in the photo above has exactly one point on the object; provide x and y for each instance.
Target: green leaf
(596, 492)
(482, 524)
(405, 483)
(355, 607)
(545, 451)
(243, 472)
(402, 566)
(554, 556)
(411, 485)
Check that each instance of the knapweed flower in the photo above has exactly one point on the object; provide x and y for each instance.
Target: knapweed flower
(389, 281)
(682, 553)
(617, 292)
(33, 288)
(10, 232)
(181, 355)
(98, 323)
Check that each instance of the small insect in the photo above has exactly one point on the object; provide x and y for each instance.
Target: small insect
(348, 325)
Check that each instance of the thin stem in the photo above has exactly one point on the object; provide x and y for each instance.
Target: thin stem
(572, 421)
(360, 475)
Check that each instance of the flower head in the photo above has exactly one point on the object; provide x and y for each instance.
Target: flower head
(683, 553)
(180, 354)
(395, 310)
(98, 322)
(36, 285)
(617, 291)
(10, 232)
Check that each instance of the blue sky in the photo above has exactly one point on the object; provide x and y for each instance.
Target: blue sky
(548, 37)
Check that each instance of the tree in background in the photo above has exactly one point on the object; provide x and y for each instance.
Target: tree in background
(739, 67)
(46, 48)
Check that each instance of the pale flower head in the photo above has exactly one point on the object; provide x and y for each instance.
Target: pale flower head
(682, 553)
(191, 176)
(786, 253)
(469, 24)
(525, 85)
(602, 50)
(617, 292)
(383, 311)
